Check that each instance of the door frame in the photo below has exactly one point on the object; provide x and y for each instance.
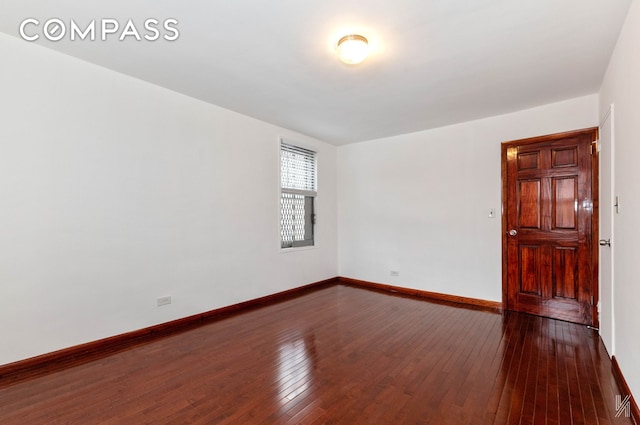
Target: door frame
(607, 176)
(595, 217)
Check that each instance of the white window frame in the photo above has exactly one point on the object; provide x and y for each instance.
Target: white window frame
(310, 196)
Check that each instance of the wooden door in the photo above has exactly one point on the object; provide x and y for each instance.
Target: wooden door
(548, 226)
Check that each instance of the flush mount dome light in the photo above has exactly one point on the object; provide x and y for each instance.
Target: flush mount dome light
(353, 49)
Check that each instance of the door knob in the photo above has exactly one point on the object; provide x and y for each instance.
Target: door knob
(513, 232)
(605, 242)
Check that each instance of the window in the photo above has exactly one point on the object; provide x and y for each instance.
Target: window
(297, 196)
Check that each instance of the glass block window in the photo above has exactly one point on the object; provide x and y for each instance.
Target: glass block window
(297, 195)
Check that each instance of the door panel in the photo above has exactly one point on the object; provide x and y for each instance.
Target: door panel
(567, 157)
(528, 161)
(529, 205)
(547, 223)
(530, 271)
(564, 201)
(565, 272)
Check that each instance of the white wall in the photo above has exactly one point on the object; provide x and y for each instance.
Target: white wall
(419, 203)
(621, 86)
(114, 192)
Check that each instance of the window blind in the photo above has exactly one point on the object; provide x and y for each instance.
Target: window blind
(297, 170)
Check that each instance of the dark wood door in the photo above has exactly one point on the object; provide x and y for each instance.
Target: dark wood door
(548, 224)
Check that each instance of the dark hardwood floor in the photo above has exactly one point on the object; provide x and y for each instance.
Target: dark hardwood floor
(338, 355)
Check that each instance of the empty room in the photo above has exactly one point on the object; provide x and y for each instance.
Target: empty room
(319, 212)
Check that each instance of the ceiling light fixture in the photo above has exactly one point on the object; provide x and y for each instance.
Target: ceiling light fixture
(353, 49)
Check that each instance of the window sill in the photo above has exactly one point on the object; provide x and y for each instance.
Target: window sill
(298, 248)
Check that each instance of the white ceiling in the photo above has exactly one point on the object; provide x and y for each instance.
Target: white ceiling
(436, 62)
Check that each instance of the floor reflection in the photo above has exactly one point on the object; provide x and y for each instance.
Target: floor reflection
(544, 366)
(297, 356)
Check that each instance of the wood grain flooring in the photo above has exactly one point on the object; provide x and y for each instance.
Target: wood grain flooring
(338, 355)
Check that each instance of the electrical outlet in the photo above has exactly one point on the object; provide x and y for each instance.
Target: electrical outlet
(164, 301)
(394, 273)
